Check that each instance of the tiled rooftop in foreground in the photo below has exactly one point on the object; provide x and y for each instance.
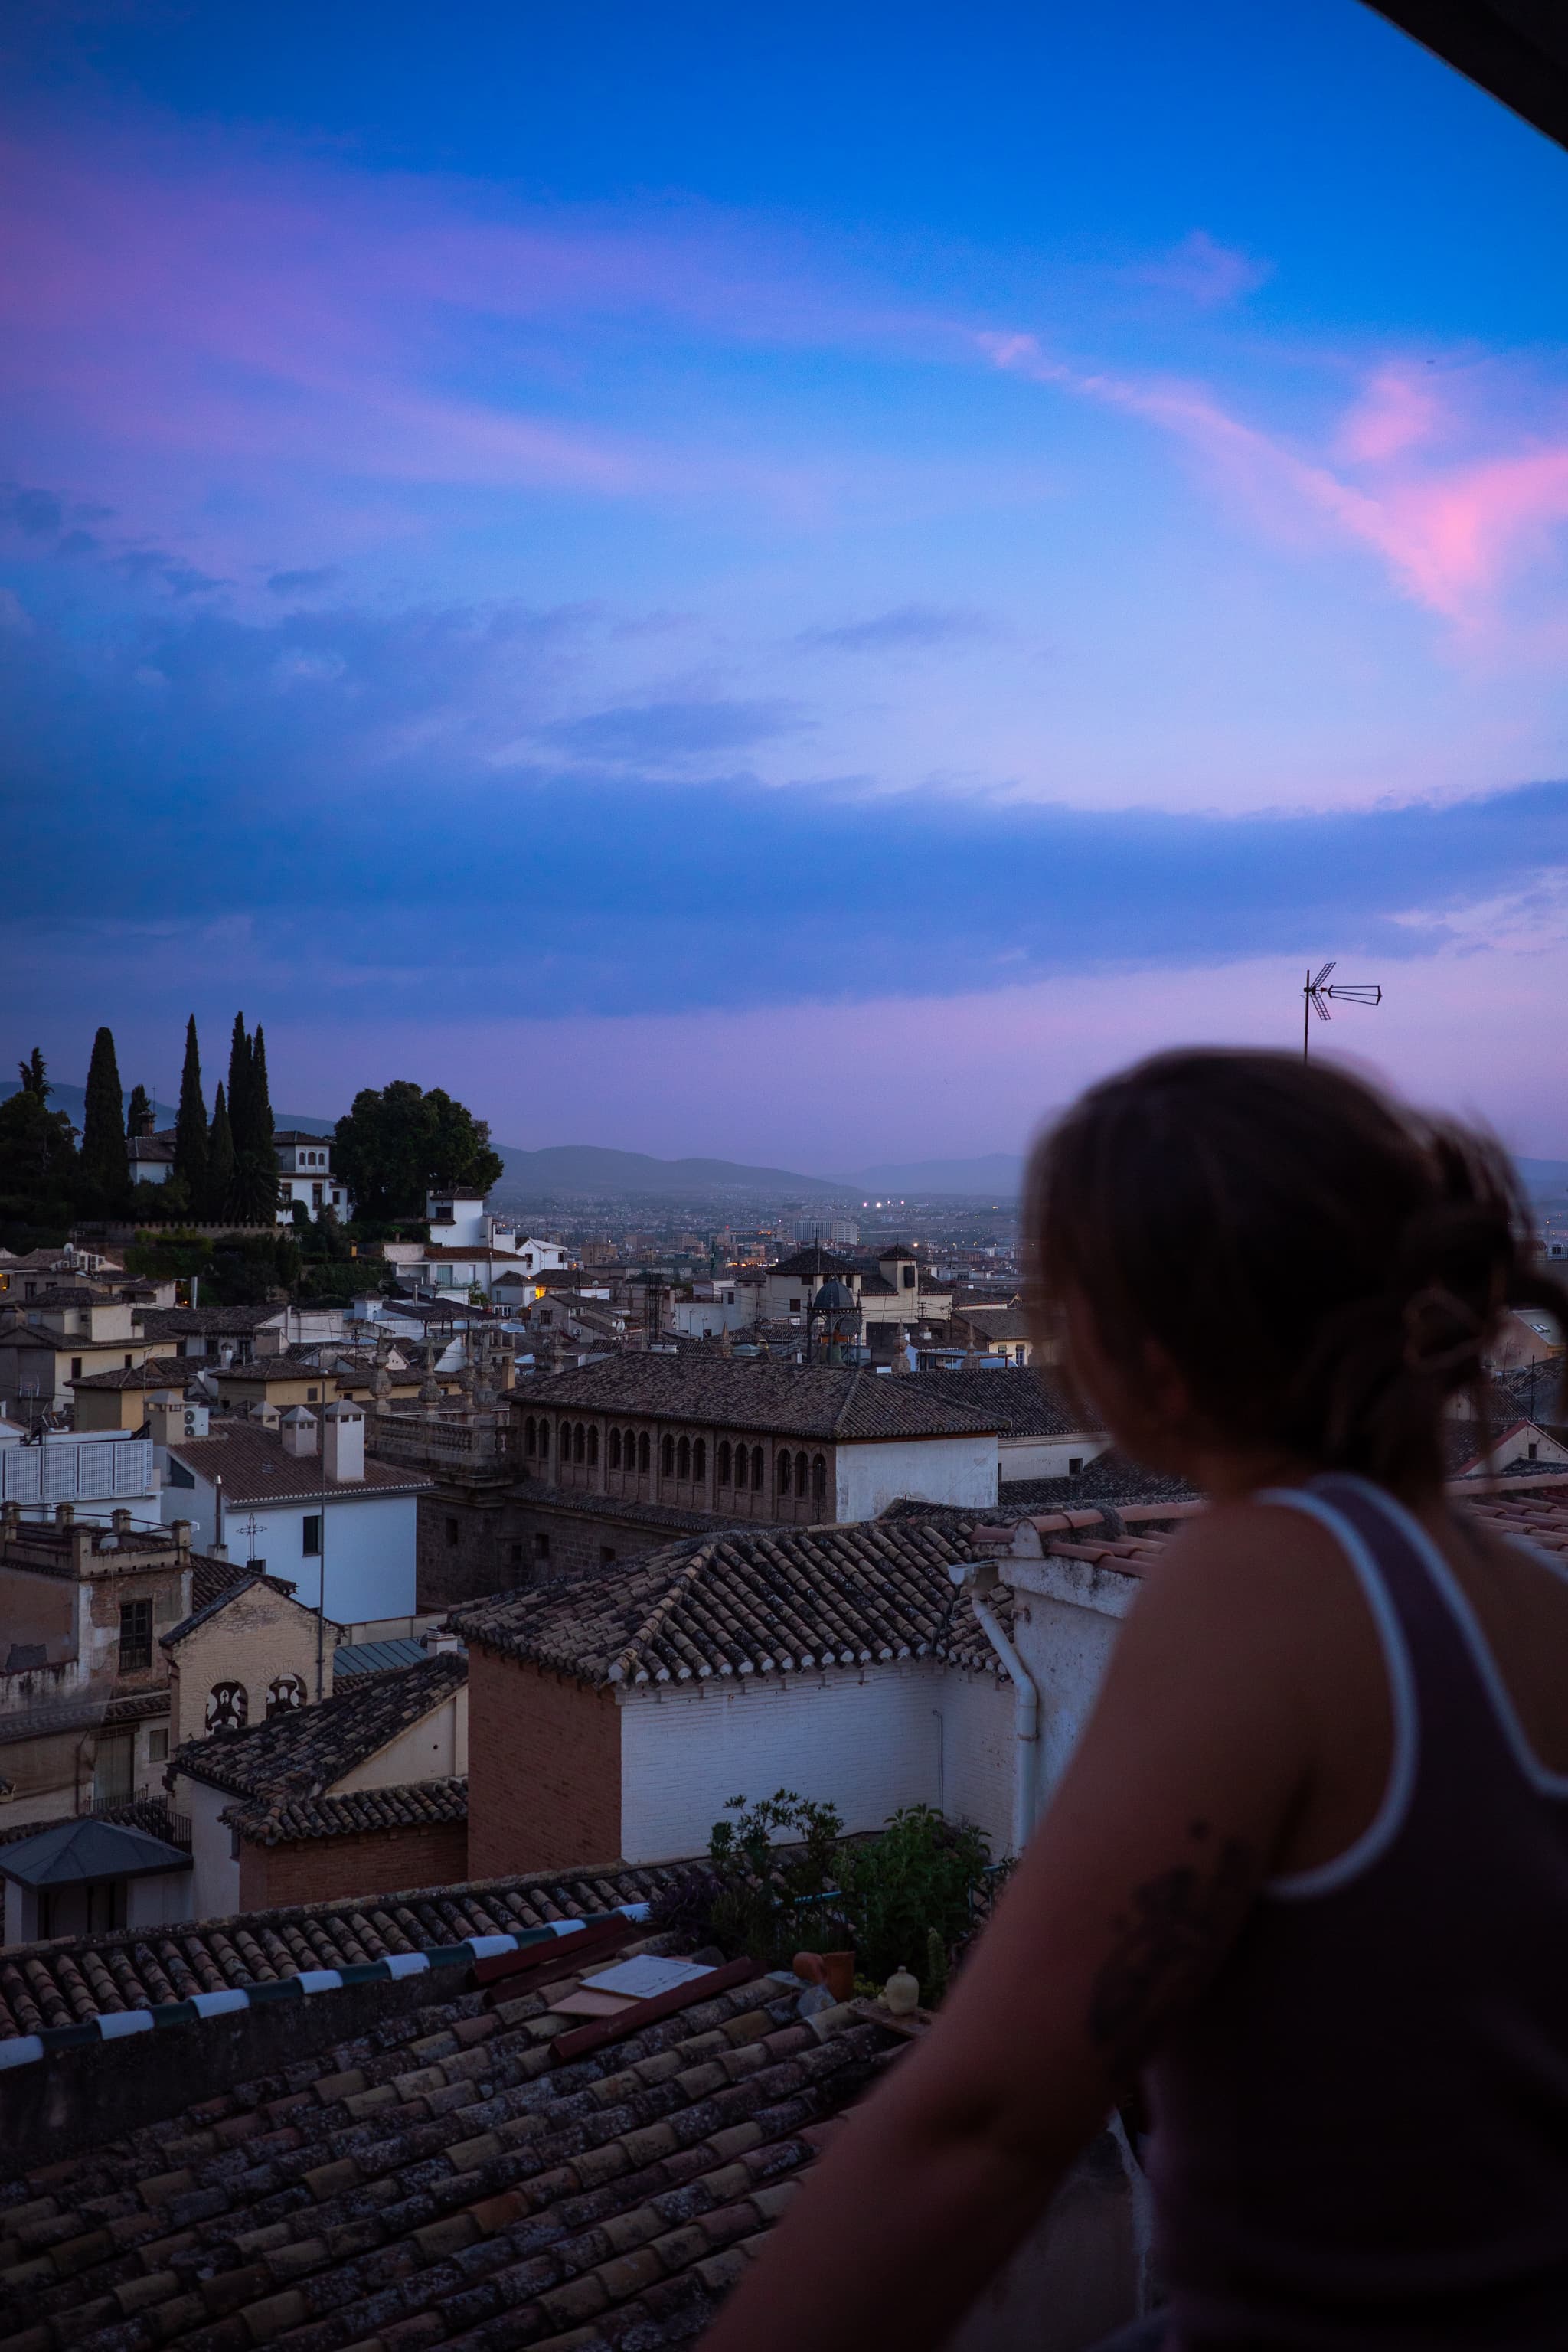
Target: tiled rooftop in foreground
(463, 2174)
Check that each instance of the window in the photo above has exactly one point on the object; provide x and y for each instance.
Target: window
(799, 1474)
(127, 1363)
(113, 1767)
(699, 1457)
(783, 1473)
(516, 1555)
(1535, 1449)
(76, 1368)
(795, 1306)
(683, 1458)
(644, 1452)
(907, 1275)
(667, 1457)
(285, 1694)
(607, 1556)
(578, 1442)
(310, 1536)
(157, 1746)
(228, 1706)
(531, 1435)
(136, 1637)
(313, 1396)
(615, 1449)
(451, 1531)
(818, 1478)
(543, 1438)
(759, 1469)
(1075, 1464)
(541, 1547)
(592, 1446)
(723, 1462)
(742, 1463)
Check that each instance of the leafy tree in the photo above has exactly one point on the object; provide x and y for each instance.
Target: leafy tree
(191, 1126)
(34, 1080)
(105, 1168)
(38, 1167)
(396, 1145)
(220, 1158)
(912, 1894)
(138, 1112)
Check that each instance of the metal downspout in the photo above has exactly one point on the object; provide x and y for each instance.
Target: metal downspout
(979, 1577)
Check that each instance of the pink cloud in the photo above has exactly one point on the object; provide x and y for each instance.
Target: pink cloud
(1454, 538)
(1206, 272)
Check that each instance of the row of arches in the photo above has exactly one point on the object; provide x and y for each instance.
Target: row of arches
(797, 1474)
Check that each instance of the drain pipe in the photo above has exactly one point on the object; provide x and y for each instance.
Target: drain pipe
(980, 1578)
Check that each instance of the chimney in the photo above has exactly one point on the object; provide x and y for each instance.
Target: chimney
(64, 1514)
(181, 1531)
(342, 1442)
(298, 1431)
(10, 1518)
(120, 1522)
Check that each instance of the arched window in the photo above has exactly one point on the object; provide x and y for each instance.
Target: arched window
(799, 1474)
(615, 1449)
(818, 1478)
(742, 1464)
(543, 1438)
(531, 1435)
(699, 1457)
(643, 1452)
(592, 1443)
(667, 1457)
(284, 1694)
(759, 1469)
(578, 1437)
(228, 1706)
(723, 1462)
(784, 1472)
(683, 1458)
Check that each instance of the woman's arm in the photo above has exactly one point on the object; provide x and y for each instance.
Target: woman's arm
(1131, 1893)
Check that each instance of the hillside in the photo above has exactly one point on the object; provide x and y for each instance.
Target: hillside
(590, 1168)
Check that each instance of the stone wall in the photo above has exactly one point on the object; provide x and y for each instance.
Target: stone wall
(545, 1772)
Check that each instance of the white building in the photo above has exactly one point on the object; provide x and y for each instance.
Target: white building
(305, 1177)
(301, 1501)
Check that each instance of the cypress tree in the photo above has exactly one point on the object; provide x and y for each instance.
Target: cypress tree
(220, 1158)
(261, 1098)
(138, 1112)
(240, 1086)
(105, 1164)
(191, 1126)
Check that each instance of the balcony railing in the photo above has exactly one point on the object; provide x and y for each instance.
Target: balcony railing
(403, 1437)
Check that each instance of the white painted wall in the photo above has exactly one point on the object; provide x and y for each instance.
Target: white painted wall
(867, 1743)
(215, 1877)
(1047, 1457)
(1066, 1618)
(976, 1713)
(368, 1544)
(960, 1470)
(434, 1748)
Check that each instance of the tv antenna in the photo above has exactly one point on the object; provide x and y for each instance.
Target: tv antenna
(1321, 993)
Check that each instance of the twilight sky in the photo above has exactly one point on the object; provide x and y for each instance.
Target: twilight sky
(790, 583)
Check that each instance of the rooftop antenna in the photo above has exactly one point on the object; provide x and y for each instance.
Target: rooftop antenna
(1320, 992)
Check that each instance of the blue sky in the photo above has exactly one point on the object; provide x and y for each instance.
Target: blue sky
(789, 588)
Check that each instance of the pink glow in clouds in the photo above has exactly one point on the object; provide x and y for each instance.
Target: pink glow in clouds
(1454, 538)
(1446, 1035)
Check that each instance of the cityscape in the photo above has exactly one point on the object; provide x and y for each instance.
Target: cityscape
(683, 699)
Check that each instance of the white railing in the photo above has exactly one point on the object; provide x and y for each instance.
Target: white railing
(76, 1470)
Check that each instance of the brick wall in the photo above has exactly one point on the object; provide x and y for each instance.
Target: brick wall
(385, 1862)
(463, 1548)
(544, 1770)
(258, 1637)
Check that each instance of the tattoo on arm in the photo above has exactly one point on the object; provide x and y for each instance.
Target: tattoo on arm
(1163, 1949)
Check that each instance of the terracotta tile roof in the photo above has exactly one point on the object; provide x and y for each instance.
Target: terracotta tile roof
(1023, 1402)
(445, 2178)
(834, 1401)
(666, 1519)
(761, 1600)
(72, 1978)
(257, 1468)
(412, 1805)
(301, 1753)
(157, 1373)
(209, 1322)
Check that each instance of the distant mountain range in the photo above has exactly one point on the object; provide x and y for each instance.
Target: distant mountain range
(593, 1168)
(590, 1168)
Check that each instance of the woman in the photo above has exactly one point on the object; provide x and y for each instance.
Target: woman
(1307, 1874)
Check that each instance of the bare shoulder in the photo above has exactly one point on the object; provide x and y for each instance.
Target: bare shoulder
(1255, 1561)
